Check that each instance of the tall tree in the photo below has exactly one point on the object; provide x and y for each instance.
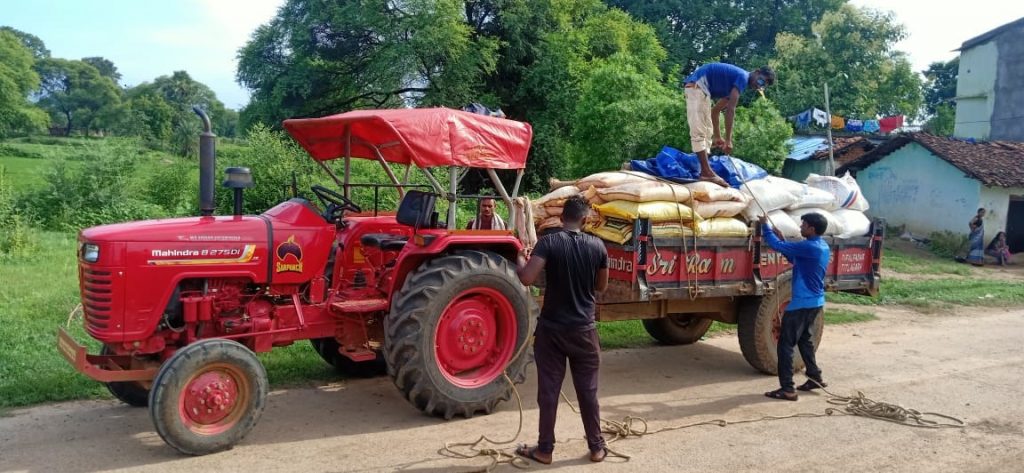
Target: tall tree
(852, 52)
(740, 32)
(179, 92)
(75, 94)
(940, 85)
(31, 41)
(105, 66)
(17, 80)
(316, 58)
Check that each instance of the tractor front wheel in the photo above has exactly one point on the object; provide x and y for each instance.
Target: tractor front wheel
(208, 396)
(457, 325)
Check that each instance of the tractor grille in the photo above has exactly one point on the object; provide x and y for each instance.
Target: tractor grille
(97, 298)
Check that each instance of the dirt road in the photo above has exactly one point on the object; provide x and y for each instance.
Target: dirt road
(969, 365)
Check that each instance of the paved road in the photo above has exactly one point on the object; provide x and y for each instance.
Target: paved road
(968, 365)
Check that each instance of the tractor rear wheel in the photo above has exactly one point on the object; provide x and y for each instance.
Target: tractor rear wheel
(760, 322)
(208, 396)
(678, 329)
(128, 392)
(328, 348)
(457, 325)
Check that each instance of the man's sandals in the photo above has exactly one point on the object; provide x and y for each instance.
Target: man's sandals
(811, 385)
(532, 454)
(783, 395)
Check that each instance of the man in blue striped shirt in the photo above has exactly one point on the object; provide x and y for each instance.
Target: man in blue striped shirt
(810, 262)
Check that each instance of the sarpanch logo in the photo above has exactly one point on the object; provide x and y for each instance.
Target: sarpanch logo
(289, 255)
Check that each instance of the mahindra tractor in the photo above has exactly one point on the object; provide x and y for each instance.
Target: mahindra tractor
(182, 306)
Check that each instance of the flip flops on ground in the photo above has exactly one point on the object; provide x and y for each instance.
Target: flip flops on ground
(783, 395)
(534, 453)
(811, 385)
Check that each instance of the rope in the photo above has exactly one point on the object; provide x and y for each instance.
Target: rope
(636, 426)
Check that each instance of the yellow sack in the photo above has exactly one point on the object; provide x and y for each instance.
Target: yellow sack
(721, 208)
(671, 230)
(655, 211)
(646, 192)
(611, 229)
(723, 227)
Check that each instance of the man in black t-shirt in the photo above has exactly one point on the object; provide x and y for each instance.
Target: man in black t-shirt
(575, 266)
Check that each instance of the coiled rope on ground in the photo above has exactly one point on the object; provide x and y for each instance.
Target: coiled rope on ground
(636, 426)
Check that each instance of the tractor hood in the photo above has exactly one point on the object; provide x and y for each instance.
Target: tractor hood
(192, 229)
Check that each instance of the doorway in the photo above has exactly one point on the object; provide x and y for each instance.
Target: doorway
(1015, 224)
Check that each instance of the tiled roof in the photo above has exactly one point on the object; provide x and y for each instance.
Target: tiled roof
(994, 163)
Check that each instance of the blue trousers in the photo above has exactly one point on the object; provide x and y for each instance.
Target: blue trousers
(798, 330)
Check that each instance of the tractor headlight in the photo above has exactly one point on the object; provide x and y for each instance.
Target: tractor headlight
(90, 252)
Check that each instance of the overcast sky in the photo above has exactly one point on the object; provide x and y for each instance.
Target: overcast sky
(146, 39)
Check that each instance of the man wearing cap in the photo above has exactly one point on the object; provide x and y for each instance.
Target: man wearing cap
(723, 84)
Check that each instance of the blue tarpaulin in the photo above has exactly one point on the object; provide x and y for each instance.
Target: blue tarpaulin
(678, 166)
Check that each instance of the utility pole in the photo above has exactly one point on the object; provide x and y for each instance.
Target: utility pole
(831, 159)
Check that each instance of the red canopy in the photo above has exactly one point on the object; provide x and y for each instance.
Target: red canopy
(425, 137)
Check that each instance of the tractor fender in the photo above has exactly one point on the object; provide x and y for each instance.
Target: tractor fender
(413, 255)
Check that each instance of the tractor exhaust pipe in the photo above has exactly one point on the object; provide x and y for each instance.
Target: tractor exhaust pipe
(207, 164)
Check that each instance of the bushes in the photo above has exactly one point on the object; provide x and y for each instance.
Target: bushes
(16, 235)
(947, 243)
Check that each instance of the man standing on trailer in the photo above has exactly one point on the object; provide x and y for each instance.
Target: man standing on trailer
(576, 268)
(810, 262)
(723, 84)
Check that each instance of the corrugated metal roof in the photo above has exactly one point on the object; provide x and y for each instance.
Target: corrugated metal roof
(806, 146)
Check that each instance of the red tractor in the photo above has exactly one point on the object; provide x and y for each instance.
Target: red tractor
(183, 305)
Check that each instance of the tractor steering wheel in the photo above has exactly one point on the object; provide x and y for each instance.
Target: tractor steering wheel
(336, 203)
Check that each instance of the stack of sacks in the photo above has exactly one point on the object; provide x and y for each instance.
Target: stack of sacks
(837, 199)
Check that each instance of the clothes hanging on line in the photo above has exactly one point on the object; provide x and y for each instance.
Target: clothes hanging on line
(838, 123)
(854, 125)
(803, 119)
(888, 124)
(871, 126)
(819, 117)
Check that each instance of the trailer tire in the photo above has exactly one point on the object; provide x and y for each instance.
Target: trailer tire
(760, 319)
(678, 329)
(222, 376)
(328, 347)
(448, 309)
(128, 392)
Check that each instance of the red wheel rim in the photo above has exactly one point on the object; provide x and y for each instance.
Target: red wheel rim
(214, 400)
(777, 321)
(476, 337)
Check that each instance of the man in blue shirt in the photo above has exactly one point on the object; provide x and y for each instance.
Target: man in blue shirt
(722, 83)
(810, 261)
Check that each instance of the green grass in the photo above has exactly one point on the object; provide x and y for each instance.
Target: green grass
(23, 173)
(906, 263)
(941, 293)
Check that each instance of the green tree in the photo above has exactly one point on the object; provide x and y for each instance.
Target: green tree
(149, 117)
(105, 66)
(740, 32)
(942, 121)
(852, 52)
(940, 85)
(75, 94)
(179, 92)
(761, 134)
(30, 41)
(17, 80)
(318, 58)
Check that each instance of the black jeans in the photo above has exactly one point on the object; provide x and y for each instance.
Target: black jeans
(798, 329)
(582, 349)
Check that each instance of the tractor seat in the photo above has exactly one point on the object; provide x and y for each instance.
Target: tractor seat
(384, 241)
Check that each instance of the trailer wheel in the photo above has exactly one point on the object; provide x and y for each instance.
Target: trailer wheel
(677, 329)
(760, 320)
(328, 347)
(457, 324)
(128, 392)
(208, 396)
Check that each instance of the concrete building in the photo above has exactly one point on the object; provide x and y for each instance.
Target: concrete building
(990, 85)
(931, 183)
